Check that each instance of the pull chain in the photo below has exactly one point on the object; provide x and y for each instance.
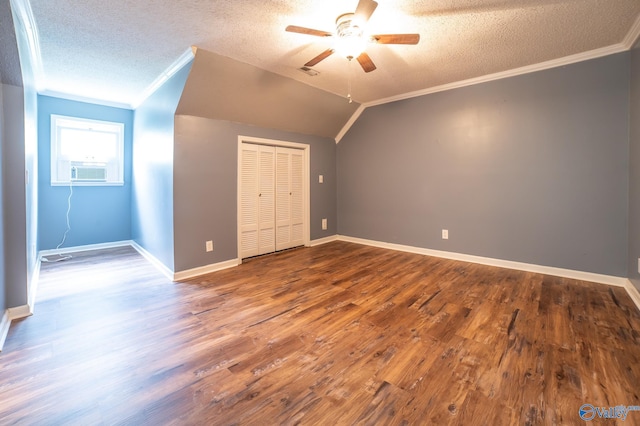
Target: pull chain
(349, 81)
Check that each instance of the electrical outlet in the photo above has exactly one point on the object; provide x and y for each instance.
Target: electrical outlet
(209, 245)
(445, 234)
(320, 179)
(324, 224)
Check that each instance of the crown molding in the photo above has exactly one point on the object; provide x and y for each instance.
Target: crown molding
(554, 63)
(79, 98)
(633, 35)
(23, 12)
(567, 60)
(171, 70)
(349, 123)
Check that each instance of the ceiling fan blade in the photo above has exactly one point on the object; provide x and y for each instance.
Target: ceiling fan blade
(365, 9)
(396, 38)
(320, 57)
(308, 31)
(366, 63)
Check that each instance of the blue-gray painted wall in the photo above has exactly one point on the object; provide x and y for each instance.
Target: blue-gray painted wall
(205, 186)
(20, 174)
(99, 214)
(152, 192)
(634, 169)
(29, 178)
(532, 168)
(3, 284)
(15, 198)
(540, 168)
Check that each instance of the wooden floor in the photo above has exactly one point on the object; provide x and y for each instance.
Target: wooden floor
(336, 334)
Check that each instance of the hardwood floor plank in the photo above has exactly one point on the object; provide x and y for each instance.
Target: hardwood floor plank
(336, 334)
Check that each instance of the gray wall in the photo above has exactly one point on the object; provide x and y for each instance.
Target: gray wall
(532, 168)
(31, 168)
(3, 286)
(14, 197)
(205, 186)
(21, 174)
(221, 88)
(634, 172)
(152, 191)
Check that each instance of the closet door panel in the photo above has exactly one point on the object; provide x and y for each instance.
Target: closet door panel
(297, 198)
(249, 201)
(283, 198)
(266, 200)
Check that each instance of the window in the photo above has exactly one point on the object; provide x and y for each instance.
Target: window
(86, 152)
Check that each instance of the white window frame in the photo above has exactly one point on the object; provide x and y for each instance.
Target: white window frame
(58, 122)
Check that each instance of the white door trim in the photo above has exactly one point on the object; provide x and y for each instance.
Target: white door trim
(306, 182)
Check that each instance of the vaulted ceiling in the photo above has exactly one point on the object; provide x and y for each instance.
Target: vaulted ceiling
(114, 50)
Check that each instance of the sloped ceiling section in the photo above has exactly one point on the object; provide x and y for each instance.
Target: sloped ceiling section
(225, 89)
(9, 59)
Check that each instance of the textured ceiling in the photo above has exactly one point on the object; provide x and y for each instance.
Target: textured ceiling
(113, 50)
(9, 59)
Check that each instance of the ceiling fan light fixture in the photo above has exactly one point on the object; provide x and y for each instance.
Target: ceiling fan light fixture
(350, 39)
(350, 47)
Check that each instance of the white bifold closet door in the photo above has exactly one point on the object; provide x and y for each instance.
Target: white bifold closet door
(258, 200)
(272, 210)
(289, 198)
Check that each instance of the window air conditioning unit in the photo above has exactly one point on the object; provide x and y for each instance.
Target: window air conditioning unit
(88, 172)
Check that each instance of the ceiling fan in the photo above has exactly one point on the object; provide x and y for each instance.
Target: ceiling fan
(350, 36)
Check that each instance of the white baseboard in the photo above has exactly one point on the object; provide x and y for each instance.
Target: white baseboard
(5, 323)
(27, 310)
(153, 260)
(19, 312)
(10, 315)
(549, 270)
(324, 240)
(182, 275)
(633, 292)
(65, 250)
(190, 273)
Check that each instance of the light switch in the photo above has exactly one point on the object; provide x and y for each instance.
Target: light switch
(320, 179)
